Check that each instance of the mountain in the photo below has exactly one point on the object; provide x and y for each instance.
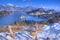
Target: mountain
(2, 7)
(11, 7)
(27, 9)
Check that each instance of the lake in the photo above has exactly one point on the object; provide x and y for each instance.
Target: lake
(13, 17)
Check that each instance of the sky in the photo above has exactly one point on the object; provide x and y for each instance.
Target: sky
(55, 4)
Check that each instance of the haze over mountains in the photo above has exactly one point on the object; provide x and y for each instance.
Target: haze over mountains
(12, 7)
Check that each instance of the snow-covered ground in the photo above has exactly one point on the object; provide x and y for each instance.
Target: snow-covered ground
(51, 32)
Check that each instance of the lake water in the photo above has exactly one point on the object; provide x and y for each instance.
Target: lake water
(11, 18)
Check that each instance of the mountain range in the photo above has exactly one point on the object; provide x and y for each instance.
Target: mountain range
(27, 9)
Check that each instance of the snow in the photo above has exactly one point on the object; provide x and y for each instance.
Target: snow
(57, 28)
(41, 35)
(46, 27)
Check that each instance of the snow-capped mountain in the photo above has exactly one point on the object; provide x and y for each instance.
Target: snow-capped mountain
(11, 7)
(2, 7)
(28, 9)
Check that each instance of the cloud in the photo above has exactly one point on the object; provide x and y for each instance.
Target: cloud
(10, 4)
